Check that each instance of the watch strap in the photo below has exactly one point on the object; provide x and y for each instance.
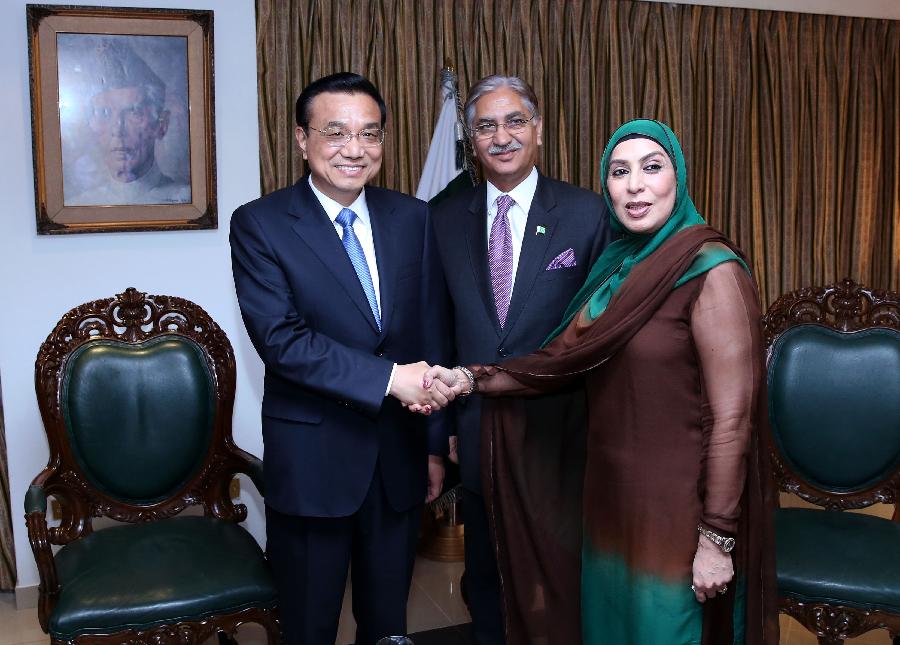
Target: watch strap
(724, 543)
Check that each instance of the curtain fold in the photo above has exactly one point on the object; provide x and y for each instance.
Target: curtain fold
(789, 121)
(7, 555)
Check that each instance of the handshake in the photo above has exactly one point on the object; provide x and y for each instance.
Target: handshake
(423, 388)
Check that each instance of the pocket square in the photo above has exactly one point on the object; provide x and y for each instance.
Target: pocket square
(564, 260)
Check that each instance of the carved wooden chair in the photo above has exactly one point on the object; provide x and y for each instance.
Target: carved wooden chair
(833, 356)
(136, 394)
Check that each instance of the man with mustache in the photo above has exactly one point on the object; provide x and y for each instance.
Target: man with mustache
(514, 250)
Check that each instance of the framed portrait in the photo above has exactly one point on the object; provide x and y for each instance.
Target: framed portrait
(122, 118)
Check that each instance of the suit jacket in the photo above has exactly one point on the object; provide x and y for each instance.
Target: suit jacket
(572, 218)
(325, 419)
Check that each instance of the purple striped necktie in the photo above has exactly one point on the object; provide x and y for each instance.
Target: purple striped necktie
(500, 257)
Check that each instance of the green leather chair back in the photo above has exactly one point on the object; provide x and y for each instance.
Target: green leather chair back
(834, 405)
(139, 417)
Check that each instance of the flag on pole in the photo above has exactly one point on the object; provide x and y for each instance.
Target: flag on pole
(443, 163)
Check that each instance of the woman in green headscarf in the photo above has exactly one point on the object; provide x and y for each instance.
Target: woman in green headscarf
(654, 525)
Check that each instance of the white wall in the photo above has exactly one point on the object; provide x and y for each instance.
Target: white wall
(860, 8)
(41, 277)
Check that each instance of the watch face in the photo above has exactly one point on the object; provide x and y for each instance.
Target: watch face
(728, 545)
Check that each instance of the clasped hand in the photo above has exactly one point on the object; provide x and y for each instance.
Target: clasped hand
(423, 388)
(712, 570)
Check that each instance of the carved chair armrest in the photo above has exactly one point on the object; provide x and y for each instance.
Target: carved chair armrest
(218, 502)
(39, 537)
(253, 468)
(35, 500)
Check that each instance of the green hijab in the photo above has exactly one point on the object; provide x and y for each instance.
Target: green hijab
(620, 257)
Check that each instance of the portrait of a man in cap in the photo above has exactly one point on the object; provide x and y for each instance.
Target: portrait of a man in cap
(123, 123)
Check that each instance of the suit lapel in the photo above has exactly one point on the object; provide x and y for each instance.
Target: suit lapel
(316, 230)
(534, 249)
(387, 235)
(475, 226)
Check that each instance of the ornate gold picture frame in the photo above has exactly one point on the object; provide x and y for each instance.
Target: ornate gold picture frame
(123, 118)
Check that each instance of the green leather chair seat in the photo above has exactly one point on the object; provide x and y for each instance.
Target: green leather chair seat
(839, 558)
(139, 576)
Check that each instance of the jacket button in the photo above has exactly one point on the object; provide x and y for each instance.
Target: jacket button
(502, 351)
(379, 354)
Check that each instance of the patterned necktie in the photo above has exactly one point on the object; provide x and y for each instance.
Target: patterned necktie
(354, 250)
(500, 257)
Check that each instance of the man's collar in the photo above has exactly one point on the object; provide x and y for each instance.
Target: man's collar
(131, 191)
(333, 208)
(522, 193)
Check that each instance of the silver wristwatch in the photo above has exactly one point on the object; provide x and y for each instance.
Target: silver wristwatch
(724, 543)
(473, 384)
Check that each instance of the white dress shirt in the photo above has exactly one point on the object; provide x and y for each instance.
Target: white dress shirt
(362, 226)
(522, 195)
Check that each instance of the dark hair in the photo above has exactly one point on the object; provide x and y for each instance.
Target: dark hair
(638, 135)
(342, 82)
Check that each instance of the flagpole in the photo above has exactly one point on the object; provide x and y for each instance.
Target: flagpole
(449, 164)
(462, 141)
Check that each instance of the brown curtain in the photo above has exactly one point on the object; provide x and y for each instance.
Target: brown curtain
(789, 121)
(7, 558)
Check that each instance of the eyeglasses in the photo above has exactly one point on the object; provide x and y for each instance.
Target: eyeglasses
(339, 137)
(489, 129)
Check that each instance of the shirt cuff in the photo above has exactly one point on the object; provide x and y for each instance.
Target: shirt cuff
(390, 380)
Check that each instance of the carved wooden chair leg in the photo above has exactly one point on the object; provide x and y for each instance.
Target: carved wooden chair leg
(226, 639)
(273, 629)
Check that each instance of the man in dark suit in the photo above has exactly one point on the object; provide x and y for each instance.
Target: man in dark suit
(514, 250)
(333, 279)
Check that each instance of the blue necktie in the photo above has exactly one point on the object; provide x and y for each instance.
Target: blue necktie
(354, 250)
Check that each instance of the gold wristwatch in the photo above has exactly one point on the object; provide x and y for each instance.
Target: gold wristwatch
(724, 543)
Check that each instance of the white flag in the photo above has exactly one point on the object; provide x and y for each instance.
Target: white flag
(440, 165)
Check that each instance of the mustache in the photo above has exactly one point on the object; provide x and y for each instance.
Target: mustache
(509, 147)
